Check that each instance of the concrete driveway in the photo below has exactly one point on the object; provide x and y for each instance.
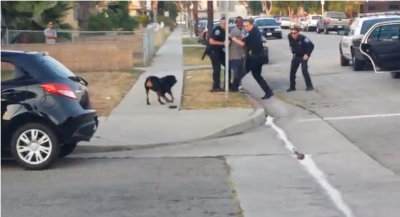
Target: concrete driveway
(362, 106)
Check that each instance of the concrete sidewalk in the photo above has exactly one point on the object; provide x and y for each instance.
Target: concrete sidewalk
(134, 124)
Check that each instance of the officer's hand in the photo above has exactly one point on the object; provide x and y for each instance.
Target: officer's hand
(305, 57)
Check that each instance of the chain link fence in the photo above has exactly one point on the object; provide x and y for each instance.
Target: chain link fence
(143, 41)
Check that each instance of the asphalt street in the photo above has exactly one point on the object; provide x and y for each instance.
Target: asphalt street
(363, 106)
(253, 174)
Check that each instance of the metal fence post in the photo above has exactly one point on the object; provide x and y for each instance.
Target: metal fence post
(145, 50)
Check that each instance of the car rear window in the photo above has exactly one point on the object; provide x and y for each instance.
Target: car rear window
(316, 17)
(266, 22)
(285, 18)
(336, 15)
(369, 23)
(52, 67)
(303, 19)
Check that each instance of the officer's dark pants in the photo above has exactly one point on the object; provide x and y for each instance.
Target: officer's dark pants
(237, 67)
(296, 61)
(216, 62)
(256, 69)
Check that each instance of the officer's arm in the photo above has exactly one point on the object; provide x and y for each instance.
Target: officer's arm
(310, 46)
(290, 43)
(244, 41)
(213, 38)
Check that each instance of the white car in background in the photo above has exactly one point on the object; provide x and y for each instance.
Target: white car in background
(301, 22)
(311, 23)
(284, 22)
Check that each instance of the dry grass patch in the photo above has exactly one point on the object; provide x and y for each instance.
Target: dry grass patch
(190, 41)
(197, 95)
(192, 56)
(108, 88)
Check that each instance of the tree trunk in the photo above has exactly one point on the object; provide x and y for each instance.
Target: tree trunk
(264, 6)
(154, 5)
(210, 17)
(196, 17)
(84, 11)
(270, 7)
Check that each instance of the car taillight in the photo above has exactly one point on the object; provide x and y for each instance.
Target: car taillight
(327, 21)
(59, 89)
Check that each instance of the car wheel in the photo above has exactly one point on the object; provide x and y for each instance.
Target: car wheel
(279, 37)
(34, 146)
(358, 65)
(343, 60)
(395, 75)
(67, 149)
(326, 31)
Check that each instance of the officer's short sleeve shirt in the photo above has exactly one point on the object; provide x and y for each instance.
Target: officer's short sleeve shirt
(253, 41)
(218, 34)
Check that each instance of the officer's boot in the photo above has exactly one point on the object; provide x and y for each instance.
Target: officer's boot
(309, 84)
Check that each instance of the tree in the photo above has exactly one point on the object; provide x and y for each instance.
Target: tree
(267, 6)
(255, 7)
(34, 15)
(196, 17)
(210, 18)
(84, 9)
(115, 18)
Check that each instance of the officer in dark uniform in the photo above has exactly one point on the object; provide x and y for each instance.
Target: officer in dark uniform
(216, 52)
(255, 56)
(301, 47)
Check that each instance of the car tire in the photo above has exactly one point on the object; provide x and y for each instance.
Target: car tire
(395, 75)
(50, 148)
(358, 65)
(279, 37)
(344, 61)
(67, 149)
(326, 31)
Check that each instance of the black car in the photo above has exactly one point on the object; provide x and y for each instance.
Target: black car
(45, 109)
(381, 45)
(269, 27)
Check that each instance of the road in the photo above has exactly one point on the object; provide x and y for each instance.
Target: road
(253, 174)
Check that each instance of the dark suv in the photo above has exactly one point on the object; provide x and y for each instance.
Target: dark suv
(45, 109)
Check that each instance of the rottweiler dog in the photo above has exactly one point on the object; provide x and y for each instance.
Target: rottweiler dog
(161, 86)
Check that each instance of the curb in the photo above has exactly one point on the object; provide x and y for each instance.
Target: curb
(256, 119)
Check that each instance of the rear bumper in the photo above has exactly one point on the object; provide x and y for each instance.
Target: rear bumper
(337, 27)
(79, 128)
(274, 34)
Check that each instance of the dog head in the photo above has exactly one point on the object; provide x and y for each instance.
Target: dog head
(171, 79)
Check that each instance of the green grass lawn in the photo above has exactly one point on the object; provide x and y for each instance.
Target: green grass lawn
(189, 41)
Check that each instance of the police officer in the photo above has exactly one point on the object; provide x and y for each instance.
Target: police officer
(254, 55)
(216, 53)
(302, 48)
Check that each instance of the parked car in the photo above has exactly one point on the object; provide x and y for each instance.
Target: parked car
(350, 42)
(333, 21)
(381, 45)
(269, 27)
(203, 35)
(202, 25)
(311, 23)
(284, 22)
(301, 22)
(45, 109)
